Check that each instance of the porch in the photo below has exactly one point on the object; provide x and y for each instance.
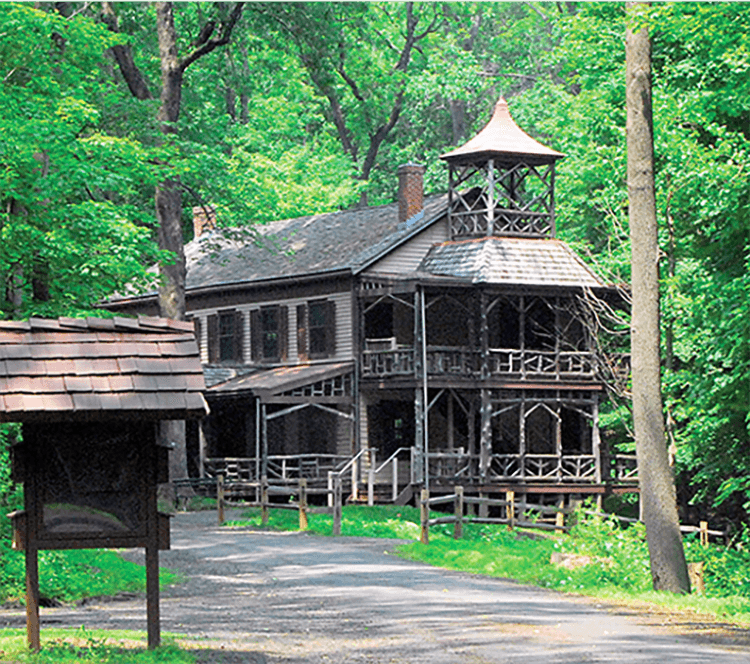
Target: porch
(388, 480)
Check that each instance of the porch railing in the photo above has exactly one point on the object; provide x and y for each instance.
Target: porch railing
(460, 361)
(391, 362)
(281, 468)
(541, 363)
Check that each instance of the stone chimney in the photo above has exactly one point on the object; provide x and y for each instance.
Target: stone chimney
(204, 220)
(410, 190)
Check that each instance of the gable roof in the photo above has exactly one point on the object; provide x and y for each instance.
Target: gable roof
(511, 260)
(312, 245)
(93, 368)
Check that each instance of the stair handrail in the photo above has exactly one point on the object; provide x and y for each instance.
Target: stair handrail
(390, 458)
(350, 463)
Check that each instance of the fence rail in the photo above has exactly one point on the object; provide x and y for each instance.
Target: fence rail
(518, 517)
(301, 505)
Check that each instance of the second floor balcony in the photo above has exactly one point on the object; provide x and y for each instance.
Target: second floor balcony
(382, 360)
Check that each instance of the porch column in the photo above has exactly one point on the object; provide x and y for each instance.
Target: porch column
(595, 442)
(420, 400)
(264, 442)
(485, 442)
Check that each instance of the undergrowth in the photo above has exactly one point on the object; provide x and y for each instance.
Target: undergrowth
(611, 559)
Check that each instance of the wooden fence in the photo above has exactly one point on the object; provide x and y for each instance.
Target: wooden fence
(302, 491)
(527, 517)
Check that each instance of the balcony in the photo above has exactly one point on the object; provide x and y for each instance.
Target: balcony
(379, 362)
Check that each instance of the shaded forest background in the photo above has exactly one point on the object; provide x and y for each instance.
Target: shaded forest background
(311, 107)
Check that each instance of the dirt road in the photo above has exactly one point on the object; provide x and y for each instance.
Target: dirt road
(268, 598)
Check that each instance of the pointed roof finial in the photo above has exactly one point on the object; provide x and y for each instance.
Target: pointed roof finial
(503, 138)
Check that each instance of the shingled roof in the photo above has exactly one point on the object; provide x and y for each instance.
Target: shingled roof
(511, 261)
(93, 368)
(502, 138)
(310, 245)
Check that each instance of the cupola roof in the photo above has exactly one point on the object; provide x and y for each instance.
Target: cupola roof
(503, 139)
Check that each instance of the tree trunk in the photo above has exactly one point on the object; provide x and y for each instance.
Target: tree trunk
(168, 196)
(659, 503)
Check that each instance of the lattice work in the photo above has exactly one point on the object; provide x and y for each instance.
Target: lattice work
(501, 200)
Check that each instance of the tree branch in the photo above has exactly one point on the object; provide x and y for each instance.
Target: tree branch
(208, 45)
(123, 55)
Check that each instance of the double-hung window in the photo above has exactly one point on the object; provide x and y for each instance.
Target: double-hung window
(316, 329)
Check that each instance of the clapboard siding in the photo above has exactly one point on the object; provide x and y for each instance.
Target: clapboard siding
(408, 256)
(344, 326)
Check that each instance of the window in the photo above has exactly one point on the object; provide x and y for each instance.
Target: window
(316, 329)
(225, 337)
(269, 334)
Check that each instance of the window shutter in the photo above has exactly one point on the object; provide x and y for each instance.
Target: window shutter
(283, 333)
(256, 336)
(239, 329)
(213, 338)
(330, 328)
(302, 332)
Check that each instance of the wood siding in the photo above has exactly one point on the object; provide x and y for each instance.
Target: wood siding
(407, 257)
(342, 305)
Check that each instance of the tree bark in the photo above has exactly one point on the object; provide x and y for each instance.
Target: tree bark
(168, 195)
(659, 503)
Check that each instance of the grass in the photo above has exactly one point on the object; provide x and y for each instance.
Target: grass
(65, 646)
(616, 557)
(69, 576)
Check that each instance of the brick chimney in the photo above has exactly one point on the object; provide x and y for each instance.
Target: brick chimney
(410, 190)
(204, 220)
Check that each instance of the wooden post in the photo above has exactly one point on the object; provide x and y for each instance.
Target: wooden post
(152, 592)
(32, 594)
(458, 511)
(220, 498)
(337, 501)
(424, 516)
(704, 533)
(695, 572)
(152, 571)
(329, 497)
(559, 523)
(483, 510)
(395, 479)
(302, 503)
(510, 507)
(371, 485)
(264, 500)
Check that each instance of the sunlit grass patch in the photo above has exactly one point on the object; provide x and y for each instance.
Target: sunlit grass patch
(64, 646)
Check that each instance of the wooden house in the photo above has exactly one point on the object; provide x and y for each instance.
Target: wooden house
(447, 334)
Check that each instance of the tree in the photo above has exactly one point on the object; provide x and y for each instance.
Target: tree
(358, 57)
(659, 502)
(72, 230)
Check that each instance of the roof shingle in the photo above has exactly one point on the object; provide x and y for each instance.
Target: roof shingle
(63, 369)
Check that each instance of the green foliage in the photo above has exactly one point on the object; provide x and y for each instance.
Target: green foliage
(64, 646)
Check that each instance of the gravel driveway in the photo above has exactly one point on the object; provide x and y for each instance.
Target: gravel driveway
(256, 597)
